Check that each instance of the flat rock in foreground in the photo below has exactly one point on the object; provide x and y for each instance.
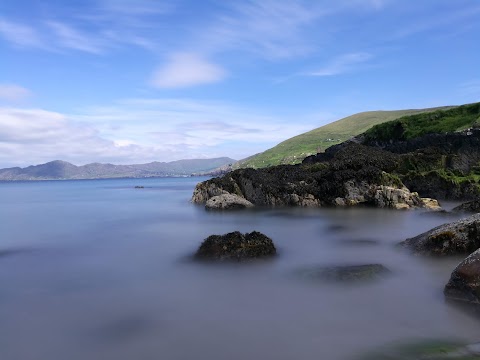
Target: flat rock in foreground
(464, 284)
(460, 237)
(236, 246)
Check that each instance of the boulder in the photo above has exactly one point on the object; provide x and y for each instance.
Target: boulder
(227, 202)
(460, 237)
(396, 198)
(345, 273)
(470, 206)
(464, 284)
(236, 246)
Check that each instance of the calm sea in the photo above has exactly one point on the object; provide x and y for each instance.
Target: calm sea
(101, 270)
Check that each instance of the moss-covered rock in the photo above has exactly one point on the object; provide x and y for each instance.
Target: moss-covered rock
(460, 237)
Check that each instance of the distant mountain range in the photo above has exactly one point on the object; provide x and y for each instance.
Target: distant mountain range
(62, 170)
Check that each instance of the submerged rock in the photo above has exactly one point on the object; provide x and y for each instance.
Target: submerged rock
(460, 237)
(345, 273)
(236, 246)
(425, 349)
(470, 206)
(357, 242)
(464, 284)
(227, 202)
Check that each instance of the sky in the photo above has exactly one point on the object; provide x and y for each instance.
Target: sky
(134, 81)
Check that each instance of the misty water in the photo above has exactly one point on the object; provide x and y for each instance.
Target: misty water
(101, 270)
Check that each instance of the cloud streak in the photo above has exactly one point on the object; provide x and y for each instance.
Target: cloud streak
(342, 64)
(185, 70)
(12, 92)
(20, 35)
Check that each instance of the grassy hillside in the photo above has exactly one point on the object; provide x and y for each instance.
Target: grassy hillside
(294, 150)
(440, 121)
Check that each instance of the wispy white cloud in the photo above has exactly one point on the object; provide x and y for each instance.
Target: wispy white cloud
(32, 136)
(96, 30)
(13, 92)
(186, 69)
(141, 130)
(271, 29)
(136, 7)
(20, 34)
(71, 38)
(183, 128)
(342, 64)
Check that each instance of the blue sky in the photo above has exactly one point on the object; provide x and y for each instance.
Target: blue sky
(133, 81)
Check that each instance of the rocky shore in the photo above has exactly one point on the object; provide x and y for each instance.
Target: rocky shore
(354, 175)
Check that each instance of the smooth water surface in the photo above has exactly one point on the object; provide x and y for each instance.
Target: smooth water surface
(101, 270)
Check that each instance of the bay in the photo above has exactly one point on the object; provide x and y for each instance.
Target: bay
(101, 270)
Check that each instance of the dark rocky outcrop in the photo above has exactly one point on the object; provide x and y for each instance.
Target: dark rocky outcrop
(464, 284)
(345, 273)
(227, 202)
(236, 246)
(442, 166)
(460, 237)
(470, 206)
(355, 174)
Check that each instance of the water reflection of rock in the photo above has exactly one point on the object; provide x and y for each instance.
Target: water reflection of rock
(425, 349)
(356, 242)
(344, 273)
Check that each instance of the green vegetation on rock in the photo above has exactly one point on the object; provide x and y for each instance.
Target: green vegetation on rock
(439, 121)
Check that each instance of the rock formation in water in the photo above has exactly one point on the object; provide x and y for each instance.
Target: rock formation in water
(469, 206)
(464, 284)
(353, 175)
(457, 238)
(236, 246)
(460, 237)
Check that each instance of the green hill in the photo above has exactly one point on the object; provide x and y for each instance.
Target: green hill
(295, 149)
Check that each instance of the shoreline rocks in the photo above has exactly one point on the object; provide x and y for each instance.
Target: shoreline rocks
(460, 237)
(464, 284)
(236, 247)
(354, 175)
(227, 202)
(469, 206)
